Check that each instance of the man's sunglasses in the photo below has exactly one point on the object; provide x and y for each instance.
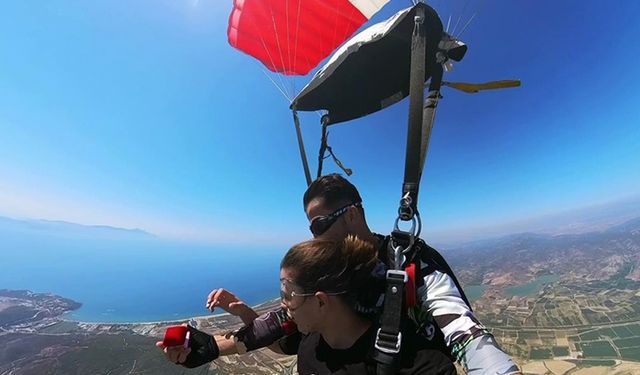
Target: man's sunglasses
(321, 224)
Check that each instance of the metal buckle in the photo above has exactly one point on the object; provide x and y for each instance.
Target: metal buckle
(387, 350)
(400, 273)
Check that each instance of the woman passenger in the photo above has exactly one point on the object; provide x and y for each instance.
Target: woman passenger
(323, 285)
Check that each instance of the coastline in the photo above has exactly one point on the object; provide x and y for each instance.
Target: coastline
(259, 307)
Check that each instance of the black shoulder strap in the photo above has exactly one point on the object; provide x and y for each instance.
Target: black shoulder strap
(412, 166)
(389, 338)
(437, 262)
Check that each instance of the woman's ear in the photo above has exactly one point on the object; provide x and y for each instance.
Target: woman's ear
(322, 297)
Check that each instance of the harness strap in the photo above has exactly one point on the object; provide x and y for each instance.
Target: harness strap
(389, 338)
(429, 111)
(412, 169)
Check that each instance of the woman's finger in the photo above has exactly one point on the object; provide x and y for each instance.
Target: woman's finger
(210, 297)
(182, 355)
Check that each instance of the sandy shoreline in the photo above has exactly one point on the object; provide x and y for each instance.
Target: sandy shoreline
(170, 321)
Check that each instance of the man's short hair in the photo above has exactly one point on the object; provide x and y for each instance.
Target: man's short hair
(333, 189)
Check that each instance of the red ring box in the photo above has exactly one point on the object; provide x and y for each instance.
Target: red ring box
(175, 336)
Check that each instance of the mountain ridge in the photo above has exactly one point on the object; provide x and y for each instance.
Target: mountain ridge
(69, 229)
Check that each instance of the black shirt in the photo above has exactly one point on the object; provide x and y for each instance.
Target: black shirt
(316, 357)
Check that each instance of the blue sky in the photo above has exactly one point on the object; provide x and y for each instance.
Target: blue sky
(139, 114)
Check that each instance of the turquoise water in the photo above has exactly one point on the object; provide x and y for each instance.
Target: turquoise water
(132, 281)
(532, 287)
(473, 292)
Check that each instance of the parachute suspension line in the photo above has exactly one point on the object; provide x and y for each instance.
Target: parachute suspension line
(464, 9)
(456, 26)
(275, 31)
(293, 82)
(448, 24)
(286, 16)
(295, 44)
(466, 25)
(289, 99)
(303, 154)
(282, 86)
(478, 10)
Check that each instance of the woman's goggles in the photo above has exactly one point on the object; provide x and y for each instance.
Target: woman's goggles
(287, 295)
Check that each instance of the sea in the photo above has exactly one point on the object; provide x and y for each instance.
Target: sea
(136, 280)
(147, 279)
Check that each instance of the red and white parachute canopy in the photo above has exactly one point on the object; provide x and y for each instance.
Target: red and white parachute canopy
(293, 36)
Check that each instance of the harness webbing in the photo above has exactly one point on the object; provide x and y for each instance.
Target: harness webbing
(429, 112)
(412, 169)
(389, 337)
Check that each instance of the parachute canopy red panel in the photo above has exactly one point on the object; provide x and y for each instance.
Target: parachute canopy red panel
(293, 36)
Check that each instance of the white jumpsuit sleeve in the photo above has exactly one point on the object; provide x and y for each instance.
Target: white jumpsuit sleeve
(470, 342)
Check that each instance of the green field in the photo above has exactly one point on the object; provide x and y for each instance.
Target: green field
(540, 353)
(622, 332)
(628, 342)
(598, 349)
(631, 353)
(634, 328)
(596, 362)
(62, 327)
(607, 332)
(528, 335)
(590, 335)
(560, 351)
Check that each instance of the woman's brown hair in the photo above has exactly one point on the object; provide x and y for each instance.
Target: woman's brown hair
(332, 266)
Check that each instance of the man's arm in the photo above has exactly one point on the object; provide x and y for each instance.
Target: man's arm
(470, 342)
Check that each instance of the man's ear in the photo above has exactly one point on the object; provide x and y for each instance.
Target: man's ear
(352, 213)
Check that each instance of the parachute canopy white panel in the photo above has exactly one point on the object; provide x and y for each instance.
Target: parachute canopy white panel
(293, 36)
(372, 70)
